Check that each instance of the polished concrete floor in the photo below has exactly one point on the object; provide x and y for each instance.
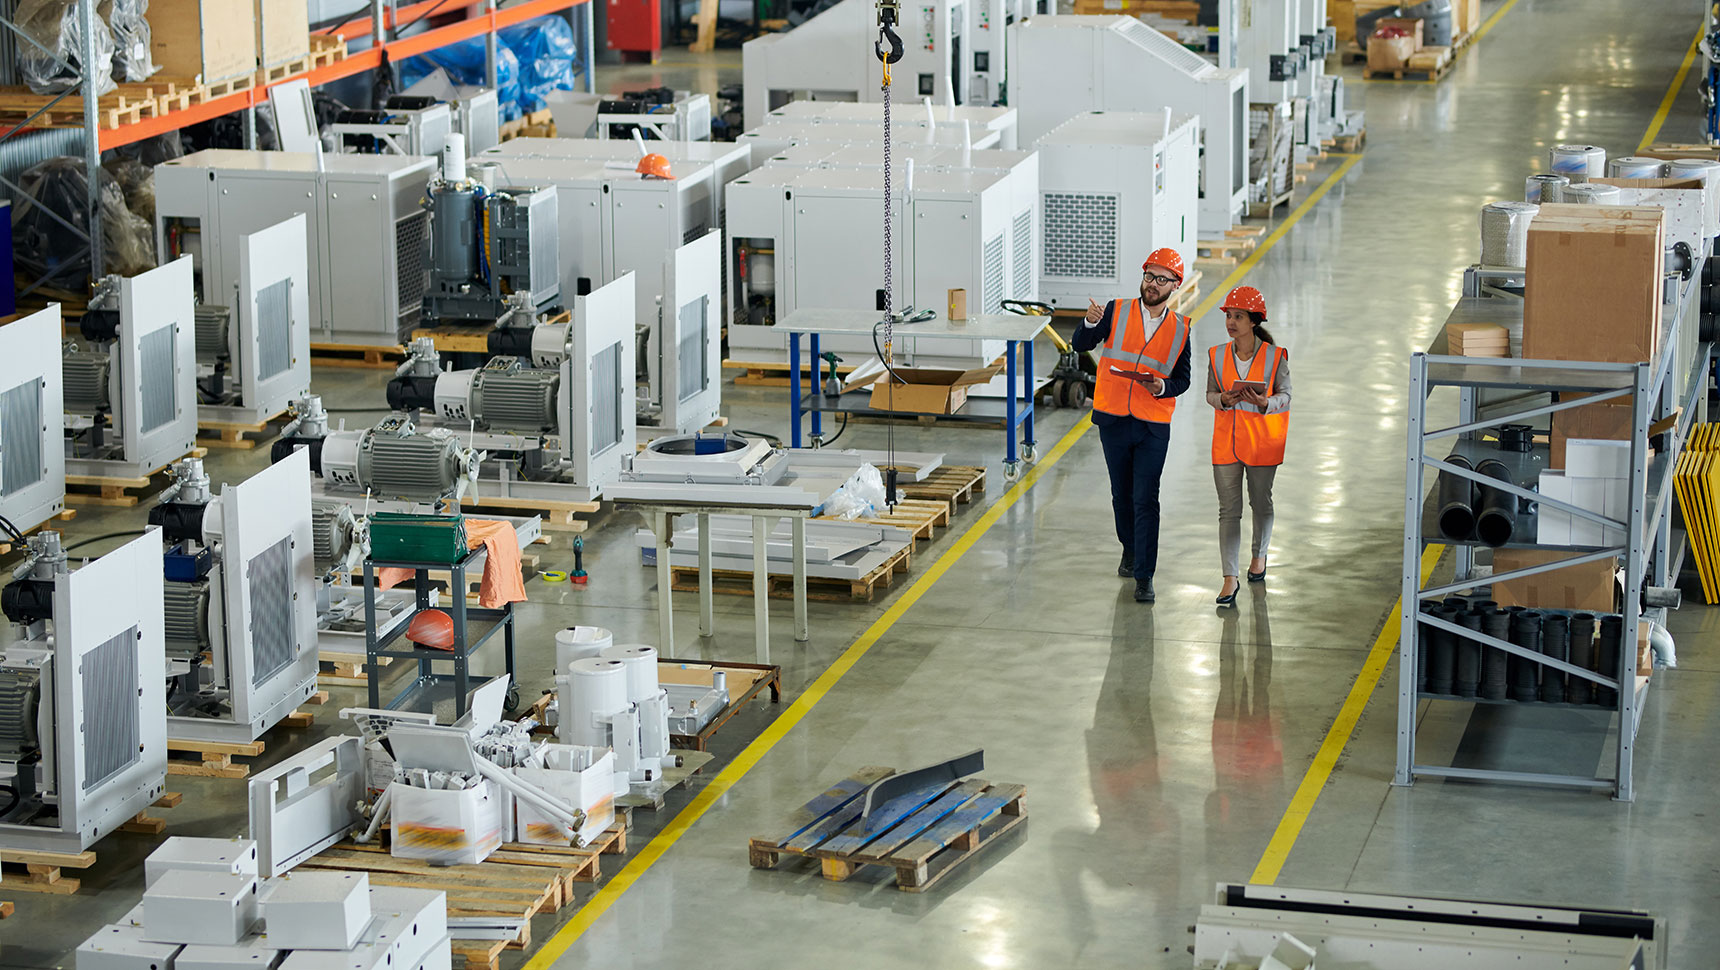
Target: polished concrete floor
(1160, 745)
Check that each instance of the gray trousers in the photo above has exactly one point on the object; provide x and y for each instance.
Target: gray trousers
(1229, 479)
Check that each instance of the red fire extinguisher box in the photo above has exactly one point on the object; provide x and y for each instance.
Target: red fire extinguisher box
(635, 28)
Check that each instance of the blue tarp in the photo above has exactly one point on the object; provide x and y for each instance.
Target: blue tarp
(464, 62)
(532, 59)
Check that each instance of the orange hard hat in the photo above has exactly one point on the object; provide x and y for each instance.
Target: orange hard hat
(1166, 257)
(433, 629)
(653, 166)
(1245, 298)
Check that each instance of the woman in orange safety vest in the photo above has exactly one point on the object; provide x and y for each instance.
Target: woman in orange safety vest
(1248, 386)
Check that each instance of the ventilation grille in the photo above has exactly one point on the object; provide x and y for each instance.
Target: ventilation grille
(991, 283)
(1167, 50)
(155, 361)
(1023, 243)
(695, 362)
(606, 399)
(21, 437)
(110, 728)
(1080, 235)
(411, 244)
(269, 576)
(274, 329)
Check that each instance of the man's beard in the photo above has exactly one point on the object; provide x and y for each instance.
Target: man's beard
(1146, 297)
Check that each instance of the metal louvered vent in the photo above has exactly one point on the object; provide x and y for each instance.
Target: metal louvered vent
(411, 247)
(110, 729)
(606, 399)
(1080, 239)
(155, 359)
(274, 329)
(1167, 50)
(695, 364)
(1023, 244)
(21, 437)
(991, 282)
(269, 576)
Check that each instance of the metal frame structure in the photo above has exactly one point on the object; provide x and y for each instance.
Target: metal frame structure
(465, 643)
(1492, 392)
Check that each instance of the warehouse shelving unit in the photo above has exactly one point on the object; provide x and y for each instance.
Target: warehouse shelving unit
(1493, 392)
(384, 48)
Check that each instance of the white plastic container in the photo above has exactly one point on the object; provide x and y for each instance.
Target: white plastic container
(449, 827)
(582, 776)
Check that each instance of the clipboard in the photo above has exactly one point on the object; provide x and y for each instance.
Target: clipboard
(1138, 376)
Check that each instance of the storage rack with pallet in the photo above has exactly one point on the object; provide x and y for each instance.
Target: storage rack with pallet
(385, 48)
(1492, 393)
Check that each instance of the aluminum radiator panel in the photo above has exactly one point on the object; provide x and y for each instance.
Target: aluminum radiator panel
(155, 369)
(606, 403)
(695, 330)
(32, 458)
(274, 329)
(269, 576)
(110, 726)
(21, 436)
(688, 357)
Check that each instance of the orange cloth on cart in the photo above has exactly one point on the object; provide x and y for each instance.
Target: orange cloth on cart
(501, 581)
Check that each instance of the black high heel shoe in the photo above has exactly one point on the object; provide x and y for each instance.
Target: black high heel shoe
(1259, 577)
(1228, 600)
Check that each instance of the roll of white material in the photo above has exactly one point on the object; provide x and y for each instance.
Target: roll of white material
(1591, 193)
(1543, 188)
(641, 662)
(1709, 173)
(597, 688)
(1636, 167)
(579, 642)
(1505, 233)
(1579, 162)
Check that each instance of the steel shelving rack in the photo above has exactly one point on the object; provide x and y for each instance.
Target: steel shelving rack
(385, 48)
(1666, 393)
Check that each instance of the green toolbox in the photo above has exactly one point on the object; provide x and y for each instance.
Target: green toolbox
(402, 537)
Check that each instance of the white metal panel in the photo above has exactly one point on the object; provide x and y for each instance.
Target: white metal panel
(247, 202)
(32, 457)
(158, 407)
(687, 378)
(598, 386)
(845, 276)
(360, 290)
(269, 259)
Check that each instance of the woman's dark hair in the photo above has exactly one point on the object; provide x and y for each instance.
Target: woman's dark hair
(1260, 332)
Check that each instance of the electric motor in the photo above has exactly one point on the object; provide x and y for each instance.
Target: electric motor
(185, 617)
(396, 461)
(84, 375)
(211, 326)
(334, 532)
(454, 231)
(20, 699)
(503, 395)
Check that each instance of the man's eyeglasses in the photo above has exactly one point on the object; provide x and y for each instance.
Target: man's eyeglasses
(1159, 280)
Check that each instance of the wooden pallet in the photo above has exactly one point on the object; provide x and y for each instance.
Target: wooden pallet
(5, 910)
(919, 516)
(299, 720)
(64, 515)
(232, 434)
(357, 355)
(1227, 250)
(537, 124)
(557, 516)
(923, 836)
(321, 51)
(44, 872)
(776, 374)
(214, 758)
(1261, 210)
(739, 582)
(1429, 64)
(756, 678)
(113, 491)
(1350, 144)
(952, 484)
(18, 103)
(346, 669)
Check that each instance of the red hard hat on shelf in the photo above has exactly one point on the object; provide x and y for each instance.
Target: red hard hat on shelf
(1167, 258)
(433, 629)
(1245, 298)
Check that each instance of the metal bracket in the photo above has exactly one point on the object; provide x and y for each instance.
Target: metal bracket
(906, 781)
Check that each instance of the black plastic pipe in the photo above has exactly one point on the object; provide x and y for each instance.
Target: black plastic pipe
(1441, 650)
(1496, 624)
(1607, 657)
(1456, 498)
(1555, 643)
(1495, 509)
(1579, 690)
(1525, 633)
(1467, 679)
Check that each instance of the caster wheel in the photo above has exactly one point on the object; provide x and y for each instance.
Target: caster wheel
(512, 703)
(1011, 471)
(1077, 396)
(1030, 454)
(1053, 394)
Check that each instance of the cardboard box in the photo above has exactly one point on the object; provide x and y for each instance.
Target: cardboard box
(1687, 204)
(1390, 53)
(283, 32)
(1594, 283)
(207, 41)
(1343, 13)
(929, 390)
(581, 776)
(958, 304)
(1606, 420)
(1412, 24)
(1465, 17)
(1644, 652)
(1587, 587)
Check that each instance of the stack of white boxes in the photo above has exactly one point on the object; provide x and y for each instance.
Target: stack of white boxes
(1596, 477)
(205, 909)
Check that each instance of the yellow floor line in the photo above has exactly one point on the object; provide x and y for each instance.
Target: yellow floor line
(760, 746)
(1337, 738)
(1487, 25)
(1671, 93)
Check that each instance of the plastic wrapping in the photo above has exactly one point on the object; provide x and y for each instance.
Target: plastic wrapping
(58, 26)
(128, 21)
(861, 495)
(137, 183)
(45, 247)
(545, 53)
(1505, 232)
(464, 63)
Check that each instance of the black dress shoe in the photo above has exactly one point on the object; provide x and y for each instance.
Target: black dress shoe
(1257, 577)
(1144, 591)
(1126, 567)
(1227, 600)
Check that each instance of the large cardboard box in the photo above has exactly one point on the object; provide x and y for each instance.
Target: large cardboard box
(1465, 17)
(1594, 283)
(1416, 27)
(1343, 14)
(283, 31)
(1587, 587)
(1390, 53)
(207, 41)
(1606, 421)
(929, 390)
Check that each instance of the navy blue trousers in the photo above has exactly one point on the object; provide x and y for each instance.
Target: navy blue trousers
(1135, 454)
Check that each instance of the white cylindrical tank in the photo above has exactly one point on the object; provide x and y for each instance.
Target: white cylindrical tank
(596, 689)
(578, 642)
(641, 662)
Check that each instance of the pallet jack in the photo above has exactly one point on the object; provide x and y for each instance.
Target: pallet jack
(1072, 380)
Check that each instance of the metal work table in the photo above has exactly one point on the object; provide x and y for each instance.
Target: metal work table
(1017, 332)
(662, 516)
(487, 621)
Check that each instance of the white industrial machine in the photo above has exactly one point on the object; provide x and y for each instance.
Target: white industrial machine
(254, 353)
(1115, 186)
(130, 383)
(366, 235)
(32, 452)
(907, 127)
(406, 124)
(492, 246)
(1060, 66)
(659, 232)
(981, 116)
(476, 115)
(808, 238)
(240, 600)
(83, 744)
(613, 701)
(554, 425)
(657, 114)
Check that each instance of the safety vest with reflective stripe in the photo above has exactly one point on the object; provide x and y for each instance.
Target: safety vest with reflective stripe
(1129, 349)
(1245, 432)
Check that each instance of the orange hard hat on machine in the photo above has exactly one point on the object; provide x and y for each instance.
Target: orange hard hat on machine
(1245, 298)
(431, 628)
(1167, 258)
(653, 166)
